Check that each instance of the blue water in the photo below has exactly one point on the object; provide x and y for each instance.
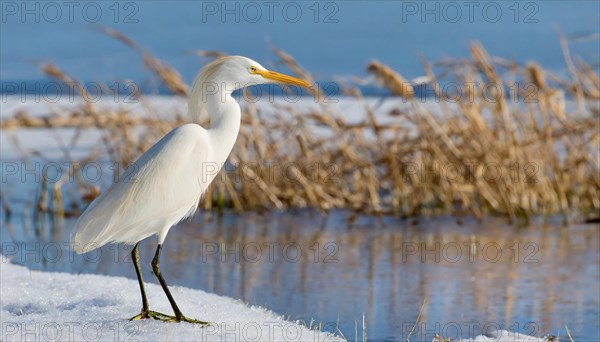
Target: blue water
(468, 277)
(338, 39)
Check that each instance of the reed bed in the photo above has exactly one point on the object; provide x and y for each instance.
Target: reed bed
(525, 151)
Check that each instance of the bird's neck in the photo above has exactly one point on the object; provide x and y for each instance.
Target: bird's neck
(225, 115)
(211, 95)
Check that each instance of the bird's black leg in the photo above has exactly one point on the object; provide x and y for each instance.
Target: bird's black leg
(146, 313)
(179, 317)
(135, 256)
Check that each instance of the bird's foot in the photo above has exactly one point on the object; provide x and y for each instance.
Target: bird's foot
(153, 314)
(182, 318)
(166, 318)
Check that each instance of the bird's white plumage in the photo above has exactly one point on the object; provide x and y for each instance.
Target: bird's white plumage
(165, 184)
(162, 187)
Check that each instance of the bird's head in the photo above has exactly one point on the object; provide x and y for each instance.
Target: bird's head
(225, 75)
(242, 72)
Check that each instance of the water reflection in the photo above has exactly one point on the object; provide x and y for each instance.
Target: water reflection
(467, 277)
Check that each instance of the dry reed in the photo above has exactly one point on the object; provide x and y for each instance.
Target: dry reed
(539, 142)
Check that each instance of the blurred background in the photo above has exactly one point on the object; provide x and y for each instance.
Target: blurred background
(331, 39)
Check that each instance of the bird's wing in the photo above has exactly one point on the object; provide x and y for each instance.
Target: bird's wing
(161, 188)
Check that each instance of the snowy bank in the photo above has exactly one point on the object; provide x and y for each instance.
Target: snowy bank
(43, 306)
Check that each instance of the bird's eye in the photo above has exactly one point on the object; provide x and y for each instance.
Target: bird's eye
(253, 69)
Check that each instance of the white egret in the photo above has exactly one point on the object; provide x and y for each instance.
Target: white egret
(165, 184)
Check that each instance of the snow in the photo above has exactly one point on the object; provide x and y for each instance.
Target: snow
(506, 336)
(46, 141)
(45, 306)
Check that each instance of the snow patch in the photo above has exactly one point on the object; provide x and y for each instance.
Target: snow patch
(45, 306)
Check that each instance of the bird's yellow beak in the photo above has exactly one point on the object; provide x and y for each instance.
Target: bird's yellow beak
(282, 78)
